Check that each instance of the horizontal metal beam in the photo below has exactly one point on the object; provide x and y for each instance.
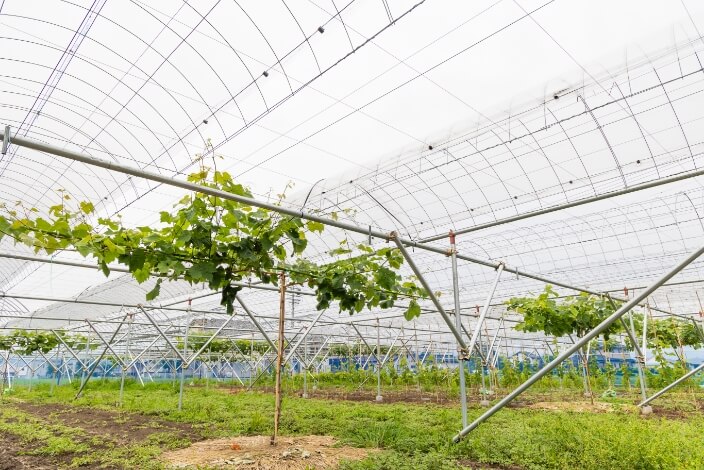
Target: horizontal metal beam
(367, 231)
(569, 205)
(170, 181)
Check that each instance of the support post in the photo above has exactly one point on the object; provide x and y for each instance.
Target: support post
(640, 360)
(485, 309)
(279, 355)
(640, 357)
(75, 356)
(309, 328)
(87, 357)
(207, 343)
(625, 308)
(123, 369)
(107, 343)
(5, 140)
(462, 354)
(162, 334)
(477, 330)
(259, 326)
(305, 367)
(379, 397)
(184, 363)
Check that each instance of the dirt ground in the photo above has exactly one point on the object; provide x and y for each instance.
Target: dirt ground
(574, 406)
(121, 428)
(11, 458)
(256, 452)
(112, 428)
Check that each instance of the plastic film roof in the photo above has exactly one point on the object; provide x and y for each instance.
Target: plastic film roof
(419, 117)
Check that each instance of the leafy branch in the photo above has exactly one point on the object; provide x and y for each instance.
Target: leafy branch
(218, 242)
(561, 317)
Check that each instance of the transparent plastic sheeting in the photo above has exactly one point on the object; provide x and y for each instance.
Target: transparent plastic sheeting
(433, 115)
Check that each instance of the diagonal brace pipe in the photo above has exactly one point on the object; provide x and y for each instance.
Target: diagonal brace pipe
(163, 335)
(625, 308)
(485, 310)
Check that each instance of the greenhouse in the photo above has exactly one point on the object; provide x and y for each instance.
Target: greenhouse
(363, 234)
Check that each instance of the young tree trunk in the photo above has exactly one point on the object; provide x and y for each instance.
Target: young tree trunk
(279, 355)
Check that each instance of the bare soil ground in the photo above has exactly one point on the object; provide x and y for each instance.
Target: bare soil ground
(12, 458)
(101, 430)
(119, 427)
(256, 452)
(576, 406)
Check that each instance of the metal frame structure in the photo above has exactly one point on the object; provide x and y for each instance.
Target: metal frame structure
(594, 187)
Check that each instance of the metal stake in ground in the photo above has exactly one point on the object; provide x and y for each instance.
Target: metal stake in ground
(625, 308)
(305, 368)
(640, 360)
(279, 354)
(379, 397)
(124, 369)
(184, 362)
(461, 353)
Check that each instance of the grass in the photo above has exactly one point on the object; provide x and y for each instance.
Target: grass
(412, 436)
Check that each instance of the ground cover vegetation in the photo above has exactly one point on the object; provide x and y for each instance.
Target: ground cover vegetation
(409, 435)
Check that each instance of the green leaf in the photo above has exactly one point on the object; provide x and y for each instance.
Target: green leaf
(87, 207)
(154, 293)
(104, 268)
(141, 275)
(83, 249)
(365, 248)
(208, 239)
(202, 271)
(315, 226)
(413, 310)
(136, 259)
(4, 225)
